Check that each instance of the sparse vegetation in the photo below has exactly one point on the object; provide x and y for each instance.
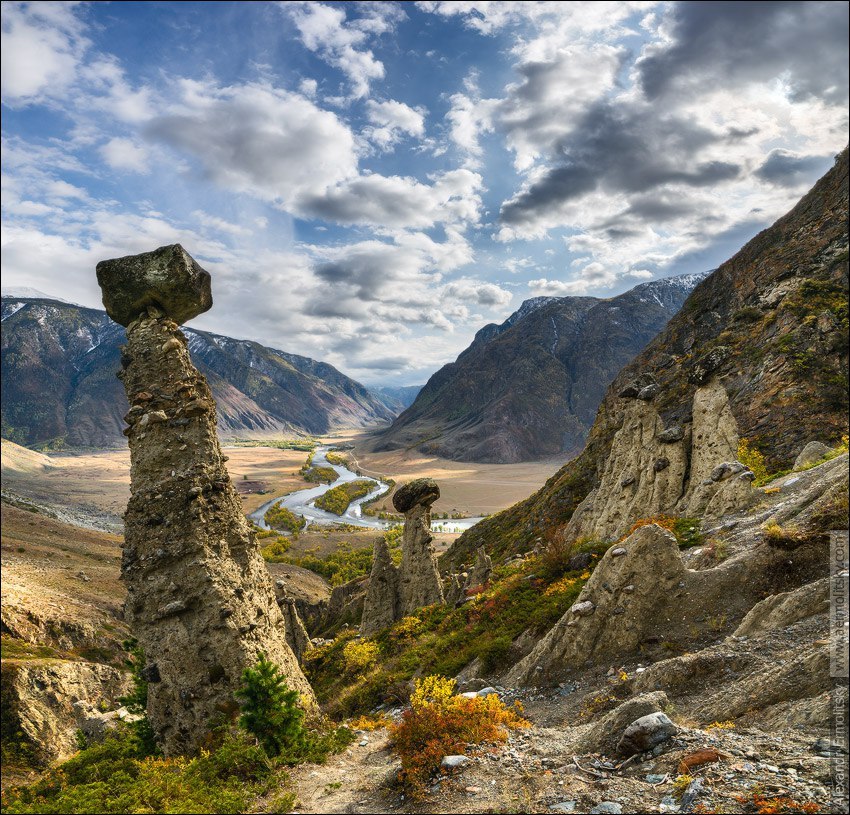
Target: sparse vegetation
(687, 531)
(751, 457)
(441, 640)
(440, 723)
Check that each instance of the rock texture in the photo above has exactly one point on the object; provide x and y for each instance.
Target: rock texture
(200, 599)
(769, 326)
(380, 610)
(419, 579)
(651, 470)
(813, 452)
(529, 388)
(59, 386)
(397, 592)
(167, 278)
(781, 610)
(49, 700)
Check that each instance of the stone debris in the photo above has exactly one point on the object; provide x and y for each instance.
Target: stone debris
(200, 599)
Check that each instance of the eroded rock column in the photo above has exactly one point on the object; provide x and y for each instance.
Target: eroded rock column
(419, 579)
(200, 599)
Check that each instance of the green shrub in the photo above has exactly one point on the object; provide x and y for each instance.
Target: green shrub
(270, 710)
(337, 500)
(280, 517)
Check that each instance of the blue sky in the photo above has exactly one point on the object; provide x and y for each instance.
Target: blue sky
(370, 183)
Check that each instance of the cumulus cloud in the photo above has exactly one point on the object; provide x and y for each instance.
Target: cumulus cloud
(391, 121)
(786, 168)
(398, 201)
(737, 43)
(42, 47)
(125, 154)
(342, 42)
(259, 139)
(621, 150)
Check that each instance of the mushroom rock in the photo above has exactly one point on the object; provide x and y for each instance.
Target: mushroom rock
(419, 578)
(199, 597)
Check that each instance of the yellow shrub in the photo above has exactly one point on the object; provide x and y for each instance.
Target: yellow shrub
(752, 458)
(359, 656)
(440, 724)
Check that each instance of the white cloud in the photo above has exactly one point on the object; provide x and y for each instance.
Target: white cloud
(125, 154)
(341, 42)
(41, 47)
(255, 138)
(391, 121)
(397, 201)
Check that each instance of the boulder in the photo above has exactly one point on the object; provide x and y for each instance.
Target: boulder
(812, 453)
(646, 733)
(168, 279)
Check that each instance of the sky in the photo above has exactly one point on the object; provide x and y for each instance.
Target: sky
(370, 183)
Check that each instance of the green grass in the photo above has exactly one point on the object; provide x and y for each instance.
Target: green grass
(342, 565)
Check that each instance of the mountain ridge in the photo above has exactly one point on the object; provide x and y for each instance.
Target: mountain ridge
(528, 388)
(59, 362)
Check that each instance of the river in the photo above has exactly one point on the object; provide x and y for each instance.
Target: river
(302, 503)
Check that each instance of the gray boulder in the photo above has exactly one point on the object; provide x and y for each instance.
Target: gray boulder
(813, 452)
(645, 733)
(168, 279)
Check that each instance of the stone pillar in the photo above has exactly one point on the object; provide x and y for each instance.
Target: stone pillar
(419, 579)
(381, 607)
(199, 597)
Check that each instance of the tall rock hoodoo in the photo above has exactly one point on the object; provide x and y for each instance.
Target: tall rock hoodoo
(200, 600)
(396, 592)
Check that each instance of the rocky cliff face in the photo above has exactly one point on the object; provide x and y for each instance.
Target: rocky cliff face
(199, 597)
(769, 327)
(529, 388)
(59, 362)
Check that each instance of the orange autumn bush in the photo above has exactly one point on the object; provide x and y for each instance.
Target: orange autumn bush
(441, 723)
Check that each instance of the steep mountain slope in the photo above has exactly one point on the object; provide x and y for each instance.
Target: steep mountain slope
(396, 398)
(770, 326)
(529, 388)
(59, 386)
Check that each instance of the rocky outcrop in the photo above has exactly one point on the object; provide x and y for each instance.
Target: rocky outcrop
(481, 571)
(641, 595)
(812, 453)
(653, 469)
(781, 610)
(47, 701)
(200, 599)
(296, 634)
(397, 592)
(380, 610)
(419, 581)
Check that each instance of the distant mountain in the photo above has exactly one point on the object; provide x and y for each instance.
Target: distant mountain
(59, 385)
(529, 388)
(396, 398)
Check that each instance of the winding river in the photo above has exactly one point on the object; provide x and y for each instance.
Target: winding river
(302, 503)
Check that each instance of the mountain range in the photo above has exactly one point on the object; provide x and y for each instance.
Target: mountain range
(770, 324)
(59, 386)
(529, 388)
